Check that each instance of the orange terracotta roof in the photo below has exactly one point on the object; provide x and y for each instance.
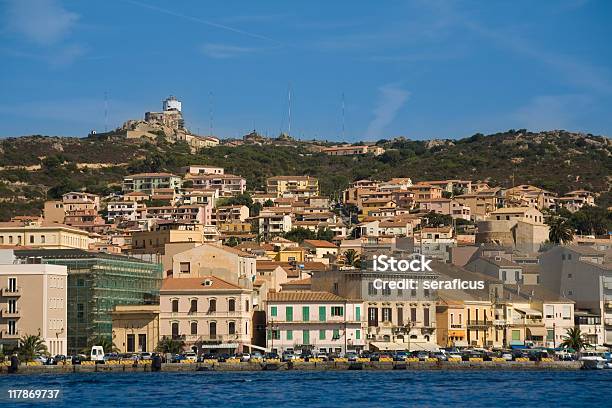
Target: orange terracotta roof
(304, 297)
(319, 243)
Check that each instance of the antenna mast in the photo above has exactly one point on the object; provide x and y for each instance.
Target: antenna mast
(105, 111)
(289, 100)
(210, 112)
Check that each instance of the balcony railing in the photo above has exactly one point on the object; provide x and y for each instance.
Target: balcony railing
(5, 334)
(479, 323)
(10, 292)
(10, 314)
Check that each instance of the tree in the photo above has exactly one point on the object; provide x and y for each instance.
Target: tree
(351, 257)
(232, 241)
(268, 203)
(435, 220)
(592, 220)
(31, 346)
(325, 234)
(575, 340)
(169, 345)
(560, 232)
(106, 343)
(299, 234)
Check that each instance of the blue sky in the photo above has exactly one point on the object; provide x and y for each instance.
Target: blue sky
(421, 69)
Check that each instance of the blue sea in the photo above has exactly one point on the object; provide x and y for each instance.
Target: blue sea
(319, 389)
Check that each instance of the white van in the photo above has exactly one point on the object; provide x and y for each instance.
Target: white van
(97, 353)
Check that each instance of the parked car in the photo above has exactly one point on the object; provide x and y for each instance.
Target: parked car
(351, 356)
(506, 356)
(401, 356)
(422, 355)
(271, 356)
(440, 355)
(256, 355)
(322, 356)
(244, 357)
(75, 360)
(145, 355)
(111, 357)
(178, 358)
(223, 357)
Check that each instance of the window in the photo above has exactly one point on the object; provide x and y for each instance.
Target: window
(336, 334)
(549, 311)
(231, 305)
(194, 306)
(289, 334)
(400, 316)
(273, 311)
(306, 337)
(175, 329)
(386, 314)
(246, 304)
(550, 335)
(142, 342)
(358, 334)
(289, 313)
(322, 334)
(185, 267)
(175, 305)
(31, 239)
(426, 317)
(131, 343)
(358, 313)
(212, 330)
(80, 312)
(12, 327)
(231, 328)
(337, 311)
(305, 314)
(516, 335)
(212, 305)
(567, 312)
(322, 313)
(12, 284)
(194, 328)
(386, 291)
(371, 290)
(413, 314)
(42, 239)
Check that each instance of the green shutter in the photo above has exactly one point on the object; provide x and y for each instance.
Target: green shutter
(321, 313)
(322, 334)
(358, 334)
(289, 334)
(305, 313)
(269, 334)
(306, 337)
(358, 314)
(516, 334)
(273, 311)
(550, 335)
(289, 311)
(336, 334)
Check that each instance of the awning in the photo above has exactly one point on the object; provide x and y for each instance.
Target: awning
(536, 332)
(528, 311)
(419, 346)
(456, 333)
(389, 346)
(460, 343)
(220, 346)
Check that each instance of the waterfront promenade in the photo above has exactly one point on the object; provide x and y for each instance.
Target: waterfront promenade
(302, 366)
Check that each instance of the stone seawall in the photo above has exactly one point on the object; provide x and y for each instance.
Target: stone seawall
(302, 366)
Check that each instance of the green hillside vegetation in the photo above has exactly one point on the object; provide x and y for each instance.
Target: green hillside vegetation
(558, 161)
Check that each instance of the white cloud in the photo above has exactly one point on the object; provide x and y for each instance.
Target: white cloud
(222, 51)
(391, 99)
(44, 22)
(546, 112)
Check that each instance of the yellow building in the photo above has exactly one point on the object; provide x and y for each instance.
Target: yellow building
(301, 186)
(43, 235)
(136, 328)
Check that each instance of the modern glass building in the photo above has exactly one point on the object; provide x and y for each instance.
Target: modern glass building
(96, 283)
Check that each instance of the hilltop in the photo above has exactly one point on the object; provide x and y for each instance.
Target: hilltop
(33, 168)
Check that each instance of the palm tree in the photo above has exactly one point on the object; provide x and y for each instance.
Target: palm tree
(106, 343)
(170, 345)
(351, 257)
(575, 340)
(31, 346)
(560, 231)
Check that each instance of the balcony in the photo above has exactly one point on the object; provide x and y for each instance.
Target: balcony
(4, 334)
(527, 322)
(5, 313)
(8, 292)
(479, 323)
